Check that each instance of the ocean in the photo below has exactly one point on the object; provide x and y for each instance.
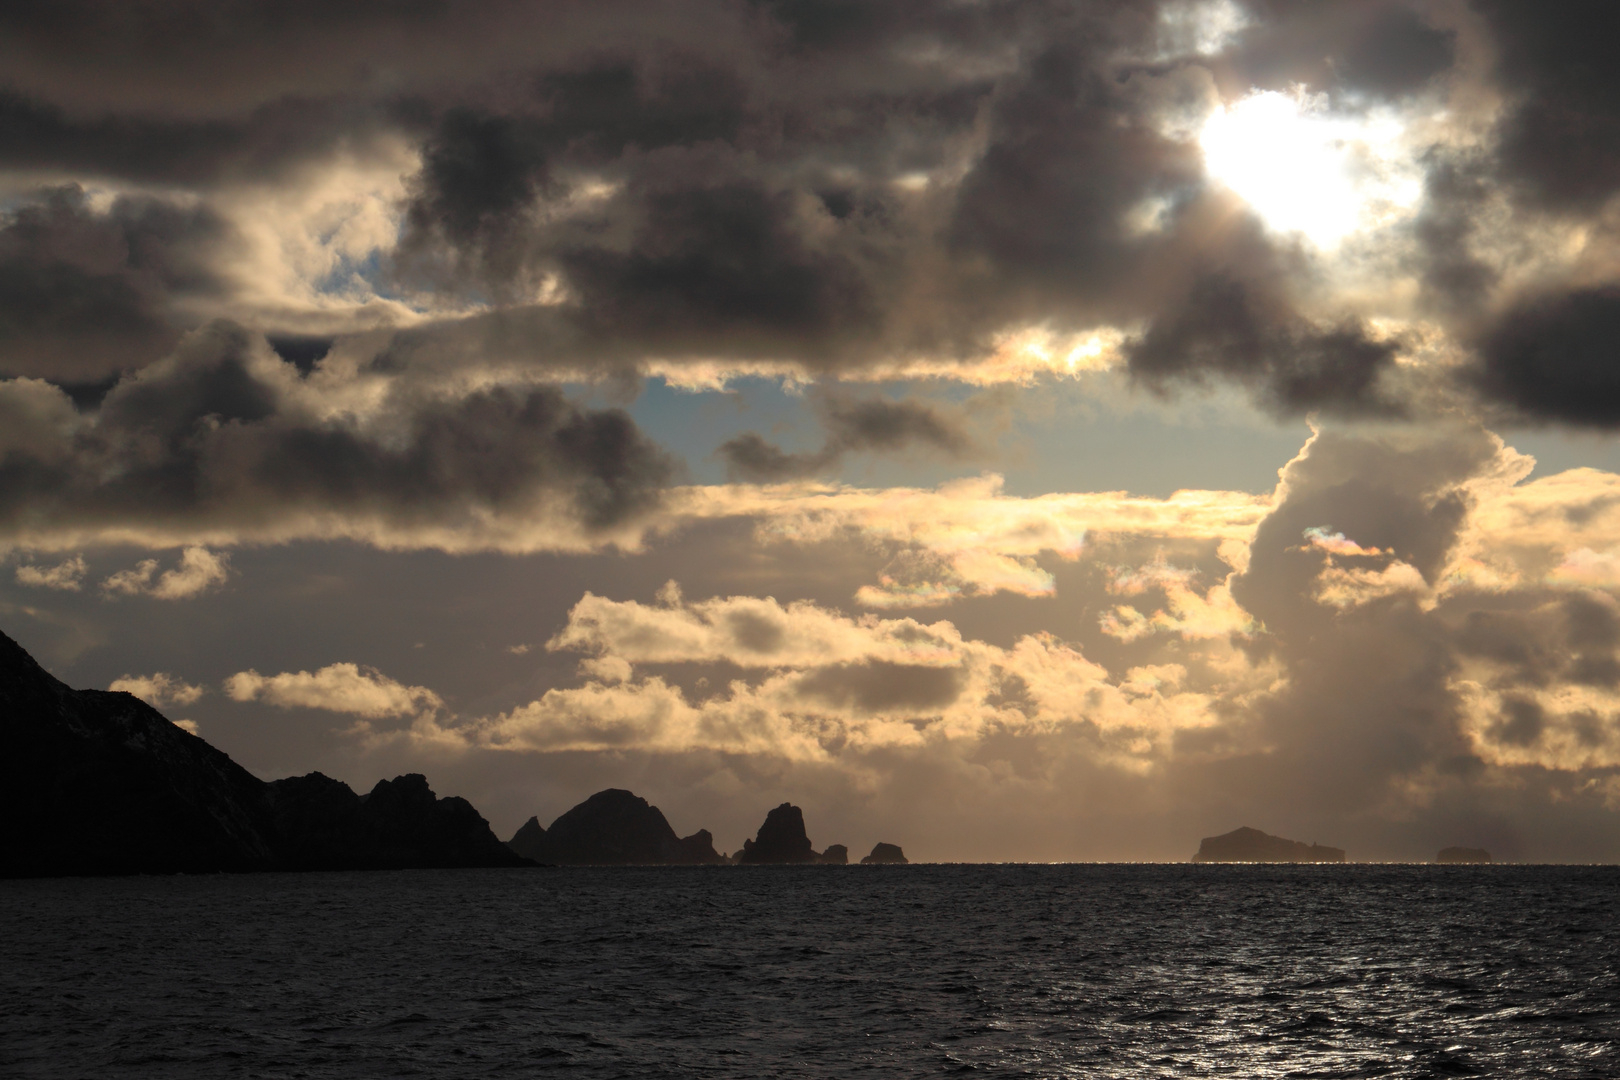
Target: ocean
(819, 971)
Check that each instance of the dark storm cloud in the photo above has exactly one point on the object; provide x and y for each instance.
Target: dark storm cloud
(1556, 357)
(167, 150)
(1560, 139)
(1226, 326)
(1454, 277)
(85, 294)
(1069, 154)
(1383, 48)
(219, 439)
(853, 425)
(826, 185)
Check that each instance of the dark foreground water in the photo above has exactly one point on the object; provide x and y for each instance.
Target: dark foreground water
(1129, 971)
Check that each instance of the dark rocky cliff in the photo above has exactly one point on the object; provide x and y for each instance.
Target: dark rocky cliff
(96, 782)
(1252, 845)
(613, 828)
(99, 782)
(321, 824)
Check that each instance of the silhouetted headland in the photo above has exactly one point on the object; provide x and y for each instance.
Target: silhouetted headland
(885, 853)
(1463, 855)
(1252, 845)
(99, 782)
(613, 828)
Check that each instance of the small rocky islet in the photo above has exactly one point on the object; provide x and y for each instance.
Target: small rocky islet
(619, 828)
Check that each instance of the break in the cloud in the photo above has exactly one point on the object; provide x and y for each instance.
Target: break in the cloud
(343, 688)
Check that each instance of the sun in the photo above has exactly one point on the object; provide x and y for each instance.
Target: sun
(1307, 172)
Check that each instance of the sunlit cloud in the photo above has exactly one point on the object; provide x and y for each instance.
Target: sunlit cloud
(343, 688)
(66, 576)
(823, 685)
(198, 571)
(158, 689)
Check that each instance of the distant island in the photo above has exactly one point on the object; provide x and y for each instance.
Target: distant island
(1463, 855)
(1252, 845)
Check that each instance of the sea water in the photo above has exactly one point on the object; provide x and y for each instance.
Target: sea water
(1071, 970)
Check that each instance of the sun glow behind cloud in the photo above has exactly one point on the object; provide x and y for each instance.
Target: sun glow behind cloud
(1306, 171)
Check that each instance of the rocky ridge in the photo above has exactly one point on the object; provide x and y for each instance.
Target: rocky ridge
(99, 782)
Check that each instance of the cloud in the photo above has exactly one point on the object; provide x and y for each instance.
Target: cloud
(344, 688)
(224, 443)
(1551, 357)
(159, 689)
(852, 425)
(199, 570)
(1557, 137)
(66, 576)
(87, 294)
(821, 685)
(753, 190)
(1225, 327)
(965, 537)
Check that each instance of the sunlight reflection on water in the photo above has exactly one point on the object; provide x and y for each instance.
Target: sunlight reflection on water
(819, 971)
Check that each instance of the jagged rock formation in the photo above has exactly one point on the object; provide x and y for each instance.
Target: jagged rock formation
(400, 824)
(530, 841)
(885, 853)
(612, 828)
(780, 840)
(835, 855)
(97, 782)
(1463, 855)
(1252, 845)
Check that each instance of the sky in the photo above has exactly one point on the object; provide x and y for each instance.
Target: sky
(1013, 430)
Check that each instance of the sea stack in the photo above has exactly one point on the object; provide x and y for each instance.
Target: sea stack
(835, 855)
(1463, 855)
(1252, 845)
(780, 840)
(886, 853)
